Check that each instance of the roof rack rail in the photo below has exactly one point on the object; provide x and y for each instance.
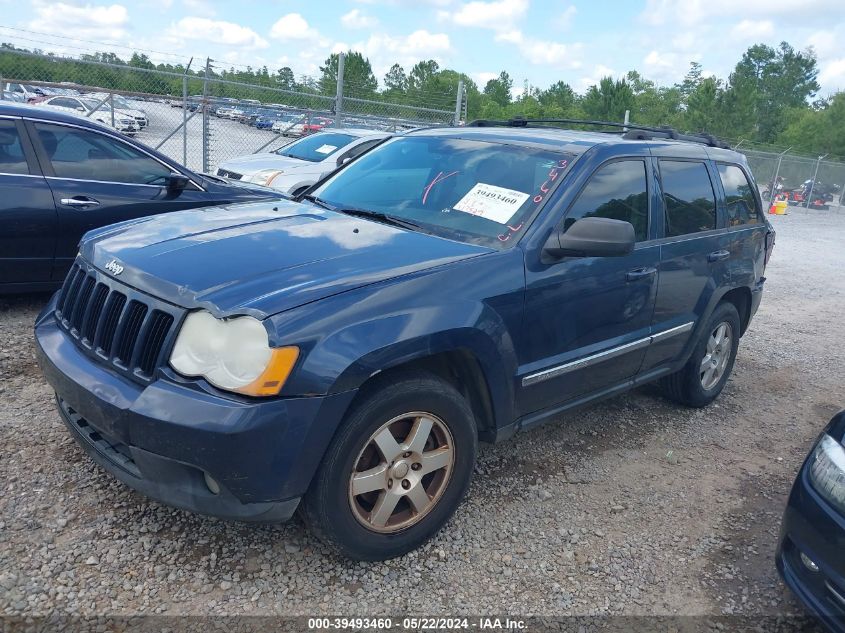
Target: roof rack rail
(631, 131)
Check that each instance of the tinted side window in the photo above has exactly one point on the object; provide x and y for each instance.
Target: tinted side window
(617, 191)
(742, 207)
(12, 159)
(688, 197)
(356, 151)
(86, 155)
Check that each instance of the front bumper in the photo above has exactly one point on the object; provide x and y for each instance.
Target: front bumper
(162, 439)
(812, 527)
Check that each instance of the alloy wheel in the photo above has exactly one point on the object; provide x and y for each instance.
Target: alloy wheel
(402, 472)
(717, 355)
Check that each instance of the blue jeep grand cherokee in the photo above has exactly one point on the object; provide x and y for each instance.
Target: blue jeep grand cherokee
(344, 354)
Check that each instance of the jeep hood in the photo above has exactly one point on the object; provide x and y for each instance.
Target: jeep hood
(262, 258)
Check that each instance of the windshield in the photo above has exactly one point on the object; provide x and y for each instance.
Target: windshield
(472, 191)
(316, 147)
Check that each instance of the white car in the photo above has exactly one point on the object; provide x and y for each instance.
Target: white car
(298, 165)
(82, 107)
(124, 106)
(25, 93)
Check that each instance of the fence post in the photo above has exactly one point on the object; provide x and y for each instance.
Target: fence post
(2, 88)
(111, 104)
(205, 126)
(338, 100)
(185, 113)
(459, 101)
(813, 183)
(774, 185)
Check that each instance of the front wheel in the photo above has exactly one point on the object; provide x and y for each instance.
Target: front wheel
(704, 376)
(396, 470)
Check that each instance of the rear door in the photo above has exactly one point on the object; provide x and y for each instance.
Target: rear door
(746, 226)
(97, 179)
(694, 254)
(28, 220)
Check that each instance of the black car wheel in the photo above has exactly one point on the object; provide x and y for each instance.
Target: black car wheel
(396, 470)
(704, 376)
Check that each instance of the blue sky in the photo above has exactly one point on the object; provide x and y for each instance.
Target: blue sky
(540, 41)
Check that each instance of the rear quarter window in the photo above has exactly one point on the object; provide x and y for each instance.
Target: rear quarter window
(739, 196)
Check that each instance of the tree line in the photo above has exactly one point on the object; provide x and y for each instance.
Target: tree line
(771, 96)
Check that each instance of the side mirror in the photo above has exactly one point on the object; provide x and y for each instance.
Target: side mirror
(593, 237)
(176, 182)
(342, 161)
(80, 109)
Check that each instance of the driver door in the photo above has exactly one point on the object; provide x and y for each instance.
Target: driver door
(96, 179)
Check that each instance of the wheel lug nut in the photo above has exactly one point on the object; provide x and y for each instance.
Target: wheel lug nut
(416, 466)
(406, 484)
(390, 483)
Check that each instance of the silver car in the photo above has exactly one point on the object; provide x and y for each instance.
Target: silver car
(298, 165)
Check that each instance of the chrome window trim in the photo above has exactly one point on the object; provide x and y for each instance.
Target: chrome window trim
(107, 132)
(600, 357)
(6, 173)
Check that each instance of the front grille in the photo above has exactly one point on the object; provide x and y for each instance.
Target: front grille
(114, 323)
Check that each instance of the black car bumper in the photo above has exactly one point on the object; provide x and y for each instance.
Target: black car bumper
(167, 438)
(812, 527)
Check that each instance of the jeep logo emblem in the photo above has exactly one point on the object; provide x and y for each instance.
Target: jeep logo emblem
(114, 268)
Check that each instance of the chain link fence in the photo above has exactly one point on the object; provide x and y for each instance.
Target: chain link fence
(824, 178)
(196, 117)
(201, 119)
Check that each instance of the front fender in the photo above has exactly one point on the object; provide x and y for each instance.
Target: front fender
(348, 338)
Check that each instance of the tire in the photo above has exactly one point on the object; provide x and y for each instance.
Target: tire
(351, 523)
(691, 386)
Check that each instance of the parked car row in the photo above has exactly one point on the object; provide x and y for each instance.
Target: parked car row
(115, 111)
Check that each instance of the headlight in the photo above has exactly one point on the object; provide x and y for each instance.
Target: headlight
(232, 354)
(827, 471)
(265, 176)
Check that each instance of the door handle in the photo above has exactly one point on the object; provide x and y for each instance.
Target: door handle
(79, 201)
(718, 256)
(639, 273)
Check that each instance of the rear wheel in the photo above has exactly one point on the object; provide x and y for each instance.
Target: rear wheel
(704, 376)
(396, 471)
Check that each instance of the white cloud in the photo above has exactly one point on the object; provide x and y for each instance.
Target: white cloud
(753, 30)
(292, 27)
(543, 52)
(832, 76)
(595, 77)
(219, 31)
(482, 78)
(357, 20)
(692, 12)
(203, 8)
(498, 14)
(565, 19)
(101, 22)
(384, 50)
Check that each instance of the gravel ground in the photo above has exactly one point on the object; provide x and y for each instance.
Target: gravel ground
(631, 507)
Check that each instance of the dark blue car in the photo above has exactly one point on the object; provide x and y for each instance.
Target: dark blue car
(343, 355)
(811, 553)
(63, 175)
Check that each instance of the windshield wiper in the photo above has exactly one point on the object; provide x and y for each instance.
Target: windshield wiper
(378, 216)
